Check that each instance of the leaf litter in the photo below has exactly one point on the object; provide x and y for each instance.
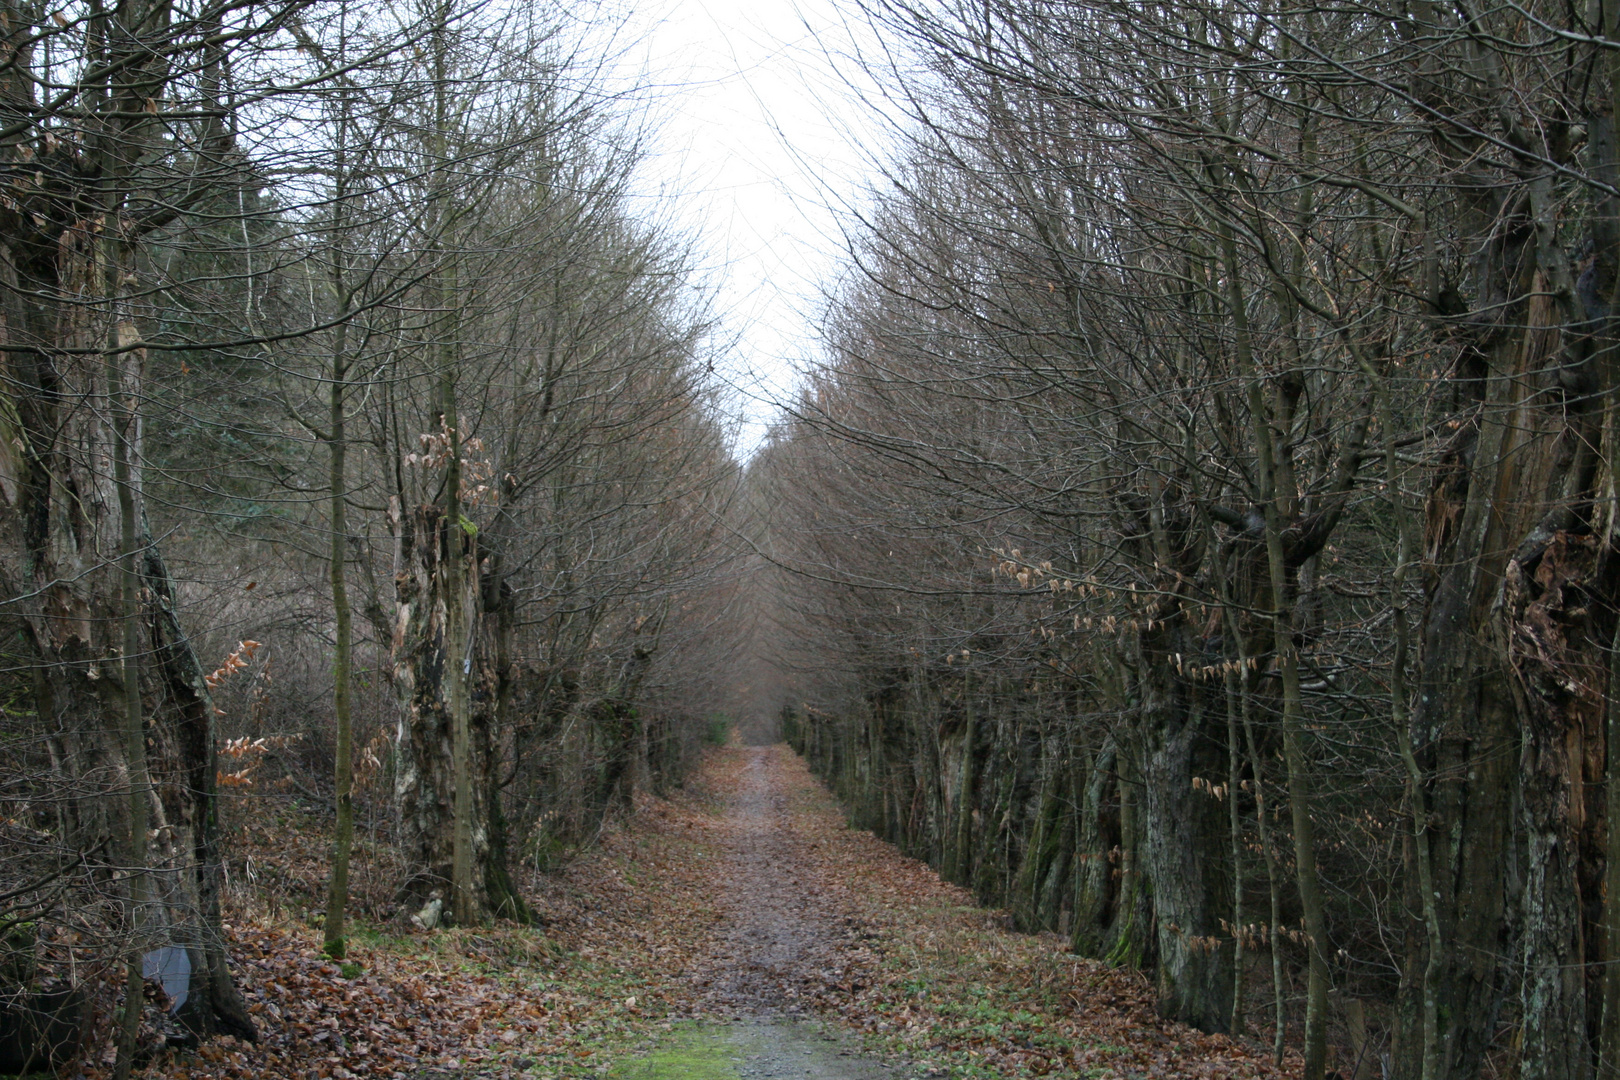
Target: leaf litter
(744, 895)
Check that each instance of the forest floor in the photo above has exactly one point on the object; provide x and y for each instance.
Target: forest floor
(740, 931)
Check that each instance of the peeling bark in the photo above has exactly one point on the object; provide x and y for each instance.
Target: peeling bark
(423, 668)
(58, 544)
(1557, 654)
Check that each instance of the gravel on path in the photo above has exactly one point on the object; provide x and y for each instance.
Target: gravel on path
(779, 933)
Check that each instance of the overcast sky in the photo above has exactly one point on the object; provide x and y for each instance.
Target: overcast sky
(759, 138)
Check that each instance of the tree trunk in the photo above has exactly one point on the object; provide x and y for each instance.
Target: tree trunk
(1466, 726)
(500, 612)
(427, 668)
(1561, 668)
(959, 868)
(1181, 856)
(1042, 846)
(59, 542)
(1053, 900)
(123, 394)
(1095, 858)
(189, 798)
(337, 896)
(1131, 935)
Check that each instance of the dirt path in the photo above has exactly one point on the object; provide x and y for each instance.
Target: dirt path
(739, 930)
(779, 934)
(815, 934)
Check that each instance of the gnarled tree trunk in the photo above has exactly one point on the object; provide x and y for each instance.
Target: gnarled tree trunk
(423, 670)
(59, 539)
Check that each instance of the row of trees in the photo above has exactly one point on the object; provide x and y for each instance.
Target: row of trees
(331, 340)
(1200, 538)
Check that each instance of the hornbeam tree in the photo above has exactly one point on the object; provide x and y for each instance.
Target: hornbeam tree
(116, 128)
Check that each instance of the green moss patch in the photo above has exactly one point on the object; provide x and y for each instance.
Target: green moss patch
(689, 1052)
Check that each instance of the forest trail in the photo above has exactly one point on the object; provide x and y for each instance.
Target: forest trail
(777, 933)
(780, 929)
(739, 930)
(818, 933)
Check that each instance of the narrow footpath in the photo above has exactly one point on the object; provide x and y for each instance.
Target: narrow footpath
(739, 930)
(803, 942)
(782, 930)
(778, 936)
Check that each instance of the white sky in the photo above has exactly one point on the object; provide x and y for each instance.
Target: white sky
(759, 139)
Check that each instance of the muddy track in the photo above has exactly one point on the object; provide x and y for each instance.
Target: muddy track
(781, 936)
(780, 933)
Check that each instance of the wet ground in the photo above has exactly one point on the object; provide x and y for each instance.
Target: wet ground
(755, 1049)
(779, 934)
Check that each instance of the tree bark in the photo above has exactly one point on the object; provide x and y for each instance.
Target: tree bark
(60, 529)
(1562, 675)
(428, 665)
(1096, 855)
(1180, 861)
(337, 897)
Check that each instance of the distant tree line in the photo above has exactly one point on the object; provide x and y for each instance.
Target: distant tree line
(332, 344)
(1200, 538)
